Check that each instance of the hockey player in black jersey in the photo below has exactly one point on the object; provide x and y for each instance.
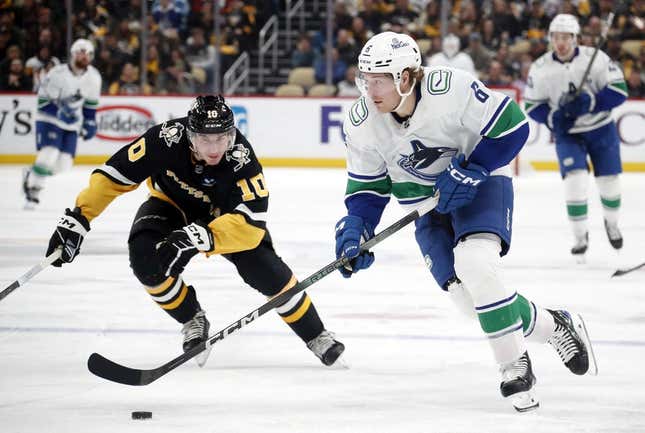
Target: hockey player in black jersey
(207, 195)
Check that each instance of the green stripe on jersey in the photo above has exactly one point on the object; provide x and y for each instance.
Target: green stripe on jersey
(528, 106)
(411, 190)
(619, 86)
(383, 186)
(42, 101)
(509, 119)
(91, 103)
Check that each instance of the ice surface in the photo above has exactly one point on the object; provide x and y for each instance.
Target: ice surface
(415, 364)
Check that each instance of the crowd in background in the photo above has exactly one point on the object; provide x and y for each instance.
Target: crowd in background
(501, 37)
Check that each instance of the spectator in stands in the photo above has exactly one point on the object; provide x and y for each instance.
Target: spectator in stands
(489, 38)
(128, 82)
(347, 87)
(347, 49)
(534, 20)
(16, 80)
(175, 77)
(170, 15)
(240, 17)
(496, 75)
(635, 84)
(537, 48)
(520, 82)
(359, 32)
(338, 68)
(12, 53)
(92, 20)
(403, 17)
(509, 65)
(480, 56)
(507, 26)
(153, 65)
(201, 55)
(430, 20)
(451, 56)
(38, 65)
(303, 55)
(342, 18)
(372, 15)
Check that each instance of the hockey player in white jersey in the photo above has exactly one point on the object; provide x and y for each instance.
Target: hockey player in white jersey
(452, 57)
(582, 125)
(416, 131)
(67, 103)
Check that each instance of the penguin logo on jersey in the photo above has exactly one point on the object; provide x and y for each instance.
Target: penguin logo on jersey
(420, 162)
(171, 133)
(239, 154)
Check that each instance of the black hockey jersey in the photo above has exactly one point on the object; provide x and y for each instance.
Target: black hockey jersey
(231, 197)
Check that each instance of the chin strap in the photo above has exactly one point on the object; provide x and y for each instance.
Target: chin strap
(404, 95)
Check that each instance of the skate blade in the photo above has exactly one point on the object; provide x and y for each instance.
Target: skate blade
(30, 206)
(202, 358)
(524, 401)
(580, 259)
(581, 329)
(340, 364)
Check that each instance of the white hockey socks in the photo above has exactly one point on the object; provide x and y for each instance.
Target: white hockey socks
(609, 189)
(575, 193)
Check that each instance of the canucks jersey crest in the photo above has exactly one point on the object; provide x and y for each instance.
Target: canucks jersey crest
(171, 133)
(420, 162)
(239, 154)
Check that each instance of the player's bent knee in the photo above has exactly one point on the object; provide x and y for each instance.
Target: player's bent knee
(64, 163)
(460, 296)
(144, 260)
(477, 263)
(47, 158)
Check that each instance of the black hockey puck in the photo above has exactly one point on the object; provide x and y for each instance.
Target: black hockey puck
(141, 415)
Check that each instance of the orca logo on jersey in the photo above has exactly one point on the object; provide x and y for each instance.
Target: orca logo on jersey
(421, 162)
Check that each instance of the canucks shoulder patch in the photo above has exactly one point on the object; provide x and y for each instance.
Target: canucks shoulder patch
(439, 81)
(358, 112)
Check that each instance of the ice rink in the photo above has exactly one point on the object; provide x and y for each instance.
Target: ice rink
(414, 364)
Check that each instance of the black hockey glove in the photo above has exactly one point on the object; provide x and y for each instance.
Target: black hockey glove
(182, 245)
(70, 232)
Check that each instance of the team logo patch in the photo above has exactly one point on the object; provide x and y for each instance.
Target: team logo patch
(421, 162)
(239, 154)
(171, 133)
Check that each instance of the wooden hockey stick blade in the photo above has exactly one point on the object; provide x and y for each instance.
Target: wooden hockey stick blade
(31, 273)
(110, 370)
(620, 272)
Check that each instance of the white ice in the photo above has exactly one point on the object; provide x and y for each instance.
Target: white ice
(415, 364)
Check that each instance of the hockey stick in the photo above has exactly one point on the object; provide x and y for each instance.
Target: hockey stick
(31, 273)
(620, 272)
(110, 370)
(601, 41)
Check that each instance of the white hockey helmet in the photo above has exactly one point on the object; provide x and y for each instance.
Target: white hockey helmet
(565, 23)
(81, 45)
(450, 45)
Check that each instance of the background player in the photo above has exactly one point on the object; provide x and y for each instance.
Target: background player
(207, 195)
(415, 131)
(67, 101)
(582, 125)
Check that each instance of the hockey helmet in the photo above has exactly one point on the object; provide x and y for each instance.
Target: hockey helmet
(389, 53)
(565, 23)
(450, 45)
(83, 45)
(210, 115)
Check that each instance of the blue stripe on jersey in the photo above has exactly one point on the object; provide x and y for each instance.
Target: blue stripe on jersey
(493, 153)
(366, 177)
(412, 201)
(493, 119)
(540, 113)
(367, 206)
(607, 99)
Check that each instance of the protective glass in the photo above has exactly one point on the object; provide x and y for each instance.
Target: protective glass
(204, 143)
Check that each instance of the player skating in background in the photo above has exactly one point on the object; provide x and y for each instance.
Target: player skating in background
(417, 130)
(582, 125)
(207, 195)
(67, 101)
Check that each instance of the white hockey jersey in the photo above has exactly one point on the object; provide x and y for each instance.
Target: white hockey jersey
(455, 110)
(549, 79)
(62, 86)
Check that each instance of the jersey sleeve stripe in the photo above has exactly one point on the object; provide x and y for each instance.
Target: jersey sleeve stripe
(114, 175)
(619, 87)
(497, 113)
(91, 103)
(511, 119)
(411, 190)
(382, 186)
(367, 177)
(256, 216)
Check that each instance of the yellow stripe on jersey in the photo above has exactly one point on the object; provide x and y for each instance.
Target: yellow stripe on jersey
(99, 194)
(233, 234)
(297, 315)
(160, 288)
(174, 304)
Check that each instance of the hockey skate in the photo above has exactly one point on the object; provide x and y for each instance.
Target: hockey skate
(580, 248)
(517, 384)
(571, 341)
(614, 235)
(31, 193)
(195, 332)
(326, 347)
